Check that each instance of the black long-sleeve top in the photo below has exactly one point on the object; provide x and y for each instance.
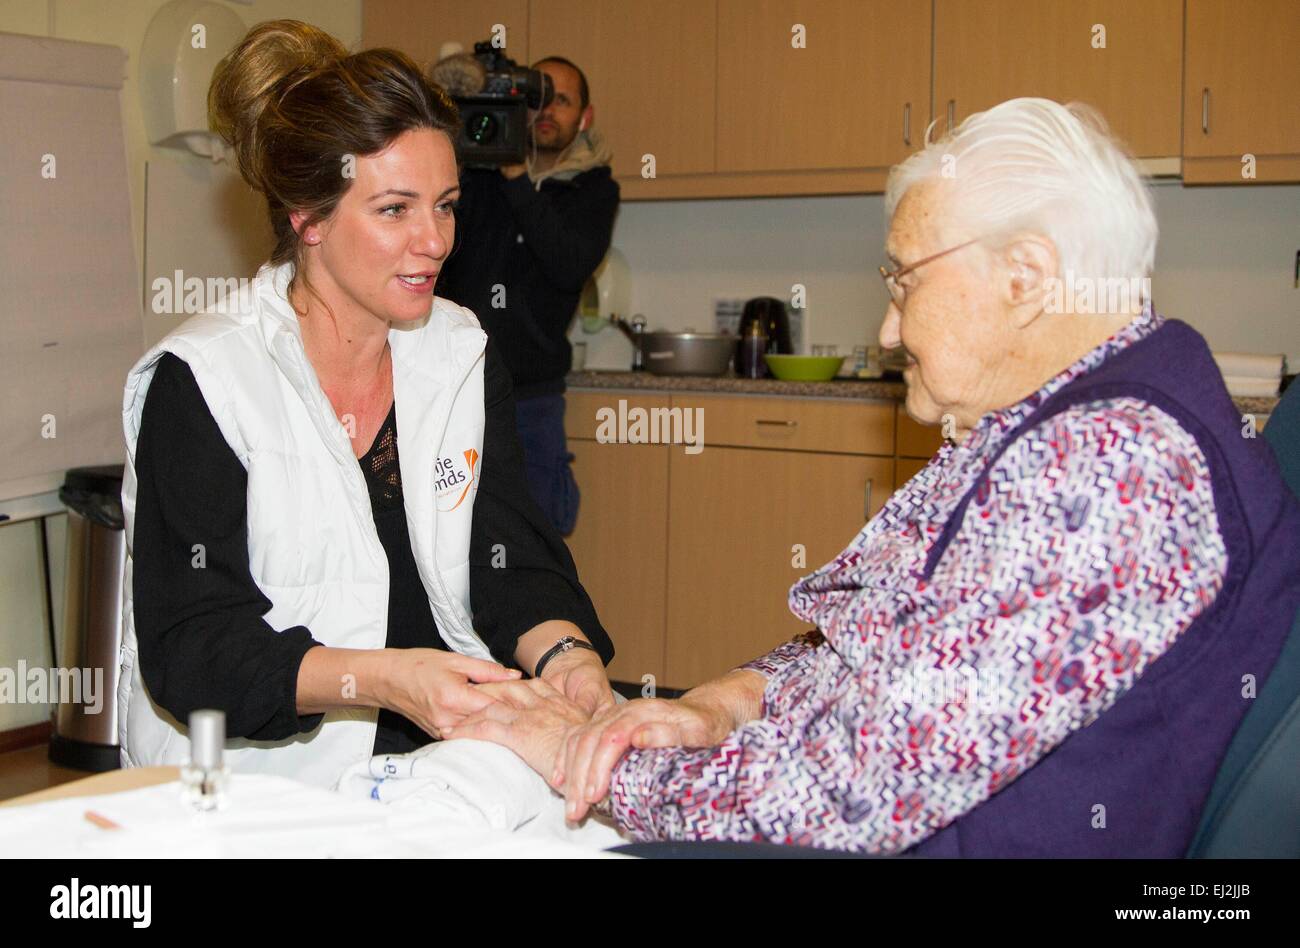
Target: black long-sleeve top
(522, 258)
(203, 641)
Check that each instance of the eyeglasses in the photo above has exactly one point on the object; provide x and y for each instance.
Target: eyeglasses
(897, 291)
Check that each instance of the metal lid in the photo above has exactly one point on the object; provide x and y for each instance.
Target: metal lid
(99, 479)
(664, 335)
(95, 493)
(207, 738)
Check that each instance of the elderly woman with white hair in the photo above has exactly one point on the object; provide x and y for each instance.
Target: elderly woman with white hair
(1044, 642)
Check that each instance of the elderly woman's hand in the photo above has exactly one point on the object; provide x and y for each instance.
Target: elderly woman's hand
(532, 718)
(592, 749)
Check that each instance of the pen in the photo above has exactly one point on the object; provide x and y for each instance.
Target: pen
(101, 821)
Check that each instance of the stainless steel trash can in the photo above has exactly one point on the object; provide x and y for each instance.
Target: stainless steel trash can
(85, 731)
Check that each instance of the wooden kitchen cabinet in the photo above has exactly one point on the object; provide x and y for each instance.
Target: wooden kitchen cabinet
(620, 546)
(620, 542)
(994, 50)
(728, 107)
(419, 27)
(689, 557)
(1241, 91)
(651, 71)
(856, 95)
(916, 440)
(735, 518)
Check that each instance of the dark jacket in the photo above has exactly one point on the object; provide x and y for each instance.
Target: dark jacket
(533, 251)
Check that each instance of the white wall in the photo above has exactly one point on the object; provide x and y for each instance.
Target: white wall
(1224, 264)
(122, 23)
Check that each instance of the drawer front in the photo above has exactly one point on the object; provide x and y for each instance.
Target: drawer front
(794, 424)
(582, 409)
(917, 440)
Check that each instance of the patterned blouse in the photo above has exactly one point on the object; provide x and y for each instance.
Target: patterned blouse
(1093, 545)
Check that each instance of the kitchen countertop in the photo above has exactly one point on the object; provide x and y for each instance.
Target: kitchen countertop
(730, 384)
(836, 388)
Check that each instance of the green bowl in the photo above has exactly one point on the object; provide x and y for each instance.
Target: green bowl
(793, 368)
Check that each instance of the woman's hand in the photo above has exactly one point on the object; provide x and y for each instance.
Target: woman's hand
(591, 750)
(580, 676)
(579, 672)
(532, 718)
(434, 688)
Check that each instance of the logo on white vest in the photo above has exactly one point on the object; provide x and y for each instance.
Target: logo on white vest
(454, 477)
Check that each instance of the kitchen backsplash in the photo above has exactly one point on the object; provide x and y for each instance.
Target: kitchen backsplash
(1224, 264)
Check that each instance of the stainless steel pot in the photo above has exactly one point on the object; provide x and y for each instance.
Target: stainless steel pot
(677, 353)
(688, 353)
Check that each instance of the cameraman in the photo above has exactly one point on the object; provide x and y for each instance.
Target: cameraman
(530, 236)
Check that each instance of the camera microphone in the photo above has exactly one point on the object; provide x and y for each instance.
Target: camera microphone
(460, 75)
(494, 95)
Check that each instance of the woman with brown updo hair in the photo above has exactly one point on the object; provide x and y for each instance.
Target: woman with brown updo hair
(337, 590)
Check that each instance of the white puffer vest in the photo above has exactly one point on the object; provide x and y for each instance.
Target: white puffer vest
(313, 548)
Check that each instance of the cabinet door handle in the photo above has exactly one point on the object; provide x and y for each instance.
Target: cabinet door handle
(783, 424)
(907, 124)
(952, 112)
(866, 501)
(1205, 110)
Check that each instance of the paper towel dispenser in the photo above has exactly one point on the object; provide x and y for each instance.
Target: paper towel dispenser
(182, 46)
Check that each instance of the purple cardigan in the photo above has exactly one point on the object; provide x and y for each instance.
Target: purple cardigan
(1152, 757)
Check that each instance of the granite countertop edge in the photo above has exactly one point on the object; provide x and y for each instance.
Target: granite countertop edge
(866, 389)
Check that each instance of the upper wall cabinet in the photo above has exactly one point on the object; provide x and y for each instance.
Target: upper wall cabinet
(651, 71)
(821, 84)
(419, 27)
(1241, 101)
(1121, 56)
(731, 98)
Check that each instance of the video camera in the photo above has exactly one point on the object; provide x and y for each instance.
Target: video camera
(494, 95)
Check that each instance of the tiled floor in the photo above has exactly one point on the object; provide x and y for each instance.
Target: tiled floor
(29, 770)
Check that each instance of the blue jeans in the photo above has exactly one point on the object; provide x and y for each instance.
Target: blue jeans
(540, 422)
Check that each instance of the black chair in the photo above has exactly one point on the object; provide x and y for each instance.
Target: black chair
(1254, 807)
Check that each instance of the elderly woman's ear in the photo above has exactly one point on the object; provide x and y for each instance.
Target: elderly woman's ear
(1027, 265)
